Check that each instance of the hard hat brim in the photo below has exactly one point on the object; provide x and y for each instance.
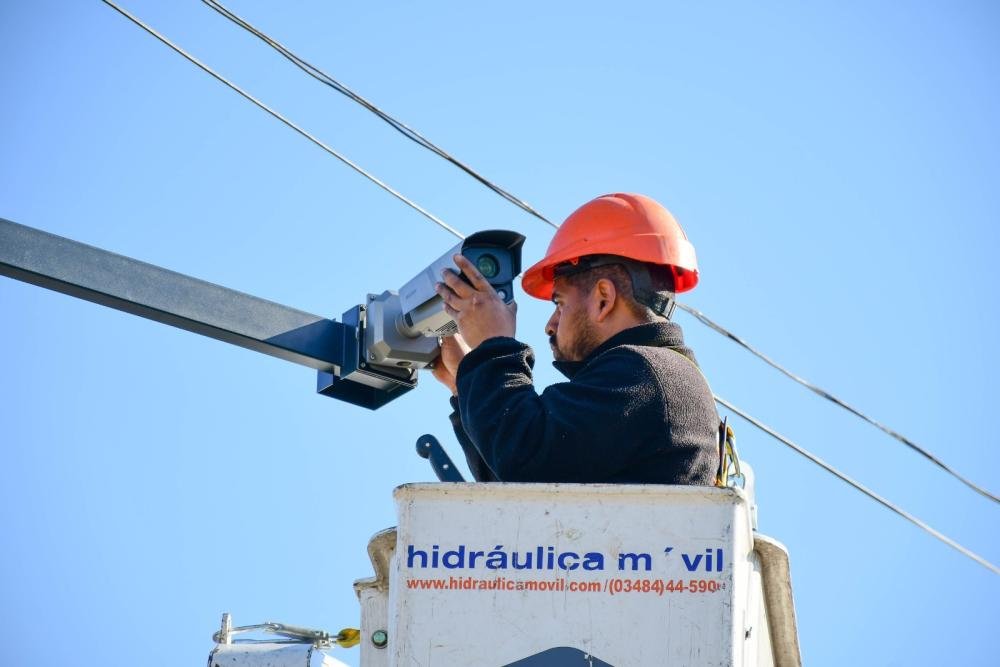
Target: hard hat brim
(538, 281)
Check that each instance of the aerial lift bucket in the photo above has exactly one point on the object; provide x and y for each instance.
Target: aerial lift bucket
(538, 575)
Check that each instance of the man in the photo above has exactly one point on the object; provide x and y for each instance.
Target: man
(636, 409)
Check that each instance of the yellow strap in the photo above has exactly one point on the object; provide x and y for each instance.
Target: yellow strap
(722, 473)
(348, 637)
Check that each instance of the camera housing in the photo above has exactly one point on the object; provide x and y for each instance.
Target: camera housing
(497, 255)
(398, 332)
(403, 328)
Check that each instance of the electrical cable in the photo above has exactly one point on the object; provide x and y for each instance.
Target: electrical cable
(837, 401)
(413, 135)
(430, 216)
(909, 517)
(860, 487)
(396, 124)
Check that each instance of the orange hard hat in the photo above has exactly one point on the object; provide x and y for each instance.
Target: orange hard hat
(626, 225)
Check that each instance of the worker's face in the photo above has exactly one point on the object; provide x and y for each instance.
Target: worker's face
(571, 331)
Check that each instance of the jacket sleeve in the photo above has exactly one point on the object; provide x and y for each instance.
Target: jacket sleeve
(569, 433)
(477, 466)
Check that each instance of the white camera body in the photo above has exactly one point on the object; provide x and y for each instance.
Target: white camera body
(402, 328)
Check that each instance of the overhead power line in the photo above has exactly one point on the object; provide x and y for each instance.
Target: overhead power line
(819, 391)
(396, 124)
(860, 487)
(427, 214)
(704, 319)
(906, 515)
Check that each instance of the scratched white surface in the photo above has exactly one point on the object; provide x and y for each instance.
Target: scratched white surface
(497, 627)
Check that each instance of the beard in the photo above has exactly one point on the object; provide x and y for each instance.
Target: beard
(584, 339)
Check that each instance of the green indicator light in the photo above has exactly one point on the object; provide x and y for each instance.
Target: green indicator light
(380, 638)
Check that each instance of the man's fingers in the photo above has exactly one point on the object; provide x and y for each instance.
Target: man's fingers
(443, 292)
(447, 294)
(457, 285)
(473, 274)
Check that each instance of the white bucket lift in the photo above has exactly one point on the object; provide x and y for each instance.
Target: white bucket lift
(559, 575)
(535, 575)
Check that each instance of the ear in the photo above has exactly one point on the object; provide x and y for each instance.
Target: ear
(603, 299)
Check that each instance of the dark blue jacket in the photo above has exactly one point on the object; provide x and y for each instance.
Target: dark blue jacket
(636, 411)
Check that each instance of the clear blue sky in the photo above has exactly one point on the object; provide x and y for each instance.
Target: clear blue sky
(835, 164)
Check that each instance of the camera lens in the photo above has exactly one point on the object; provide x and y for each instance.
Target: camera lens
(488, 266)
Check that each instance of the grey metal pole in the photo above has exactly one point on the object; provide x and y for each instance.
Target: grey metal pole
(135, 287)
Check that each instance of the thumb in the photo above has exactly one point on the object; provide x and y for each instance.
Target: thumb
(448, 344)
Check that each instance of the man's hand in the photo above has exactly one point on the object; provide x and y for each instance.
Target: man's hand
(478, 310)
(453, 350)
